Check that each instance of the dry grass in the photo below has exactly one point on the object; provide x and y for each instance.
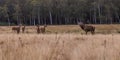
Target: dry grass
(102, 29)
(59, 47)
(66, 45)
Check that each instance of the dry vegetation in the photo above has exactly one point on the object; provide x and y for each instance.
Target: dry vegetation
(59, 47)
(68, 44)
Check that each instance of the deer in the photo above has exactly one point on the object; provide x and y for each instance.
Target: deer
(23, 29)
(38, 29)
(87, 28)
(41, 29)
(17, 29)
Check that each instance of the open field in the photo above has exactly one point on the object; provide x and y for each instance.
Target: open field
(100, 29)
(64, 42)
(59, 47)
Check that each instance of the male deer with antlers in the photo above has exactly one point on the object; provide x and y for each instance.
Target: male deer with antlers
(87, 28)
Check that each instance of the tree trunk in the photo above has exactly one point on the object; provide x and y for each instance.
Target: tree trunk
(99, 12)
(17, 20)
(9, 21)
(30, 20)
(51, 22)
(38, 16)
(34, 21)
(94, 15)
(117, 16)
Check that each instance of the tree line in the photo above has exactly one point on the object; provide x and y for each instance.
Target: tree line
(58, 12)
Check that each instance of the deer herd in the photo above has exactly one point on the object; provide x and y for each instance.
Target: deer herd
(42, 29)
(39, 29)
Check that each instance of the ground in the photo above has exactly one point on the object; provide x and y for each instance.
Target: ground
(100, 29)
(66, 44)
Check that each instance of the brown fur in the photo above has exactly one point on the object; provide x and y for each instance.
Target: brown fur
(41, 29)
(17, 29)
(23, 29)
(38, 29)
(87, 28)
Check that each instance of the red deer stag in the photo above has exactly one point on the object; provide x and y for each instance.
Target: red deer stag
(87, 28)
(17, 29)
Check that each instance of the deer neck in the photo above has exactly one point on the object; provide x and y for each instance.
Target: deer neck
(19, 26)
(38, 27)
(82, 26)
(24, 26)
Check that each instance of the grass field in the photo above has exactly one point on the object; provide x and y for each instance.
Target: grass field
(69, 43)
(59, 47)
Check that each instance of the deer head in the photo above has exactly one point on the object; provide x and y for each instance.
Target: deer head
(45, 25)
(37, 26)
(81, 24)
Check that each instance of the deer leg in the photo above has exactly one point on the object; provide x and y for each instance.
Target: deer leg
(17, 32)
(43, 31)
(86, 32)
(23, 31)
(92, 32)
(38, 31)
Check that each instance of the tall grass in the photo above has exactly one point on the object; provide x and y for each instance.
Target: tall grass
(59, 47)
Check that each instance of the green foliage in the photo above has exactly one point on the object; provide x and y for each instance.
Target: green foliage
(62, 11)
(4, 24)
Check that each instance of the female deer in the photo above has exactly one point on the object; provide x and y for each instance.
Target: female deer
(43, 28)
(17, 29)
(38, 29)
